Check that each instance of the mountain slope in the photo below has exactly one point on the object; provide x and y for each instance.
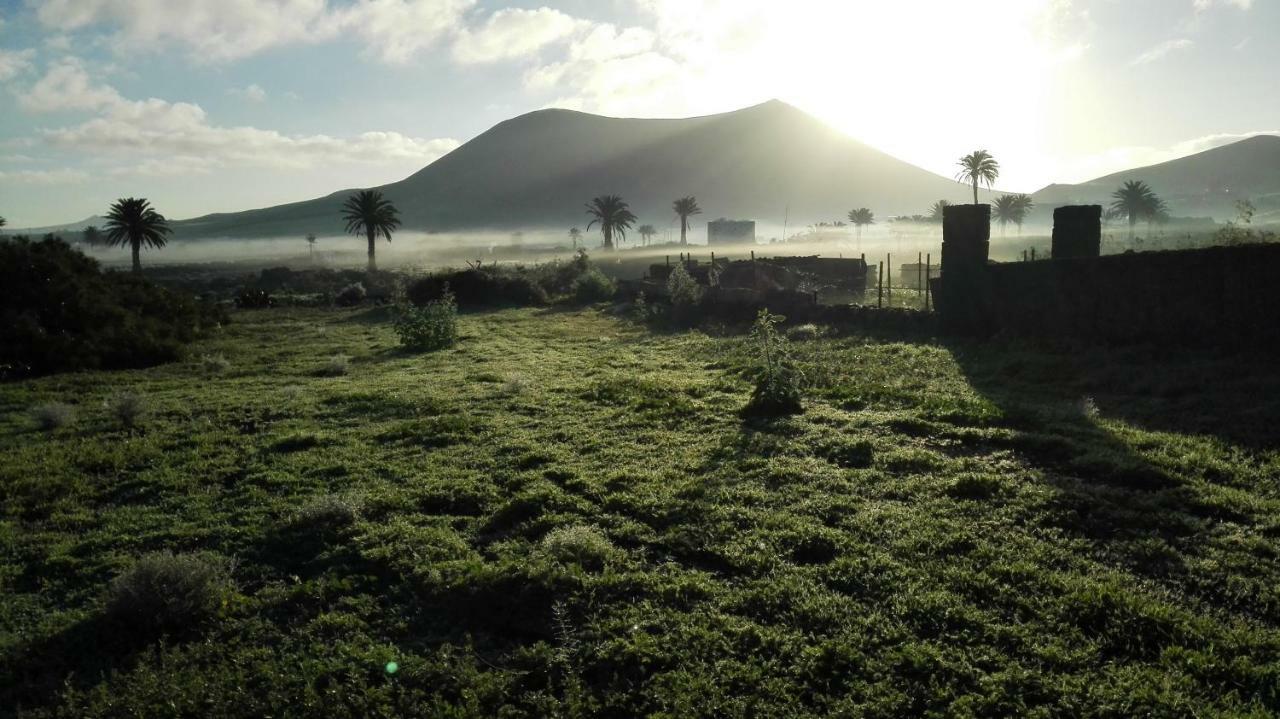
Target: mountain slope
(537, 170)
(1206, 183)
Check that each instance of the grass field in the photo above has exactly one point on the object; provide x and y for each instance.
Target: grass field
(565, 515)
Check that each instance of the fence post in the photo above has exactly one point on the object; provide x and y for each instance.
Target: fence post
(668, 261)
(880, 285)
(928, 275)
(888, 277)
(1033, 254)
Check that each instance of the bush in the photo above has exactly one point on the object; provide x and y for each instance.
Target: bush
(593, 286)
(329, 513)
(581, 545)
(433, 326)
(214, 364)
(60, 312)
(490, 287)
(804, 333)
(351, 295)
(777, 390)
(685, 294)
(128, 407)
(336, 366)
(53, 415)
(253, 299)
(168, 592)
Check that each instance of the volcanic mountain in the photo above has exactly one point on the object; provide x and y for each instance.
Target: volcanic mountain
(764, 162)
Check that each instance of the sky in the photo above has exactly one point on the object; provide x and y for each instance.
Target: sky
(223, 105)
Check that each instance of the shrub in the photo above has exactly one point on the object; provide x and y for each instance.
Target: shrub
(777, 390)
(433, 326)
(61, 312)
(254, 299)
(329, 513)
(487, 287)
(685, 294)
(580, 544)
(214, 364)
(593, 286)
(168, 592)
(803, 333)
(128, 407)
(336, 366)
(351, 295)
(52, 415)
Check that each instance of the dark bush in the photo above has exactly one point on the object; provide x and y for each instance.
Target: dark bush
(59, 311)
(254, 299)
(593, 286)
(166, 592)
(489, 287)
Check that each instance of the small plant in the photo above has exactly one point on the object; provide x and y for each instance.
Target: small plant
(168, 592)
(250, 299)
(685, 294)
(580, 544)
(433, 326)
(128, 407)
(52, 415)
(593, 286)
(337, 366)
(328, 513)
(214, 364)
(351, 295)
(640, 308)
(777, 390)
(804, 333)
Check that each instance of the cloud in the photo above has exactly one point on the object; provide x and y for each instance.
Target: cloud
(154, 134)
(1202, 5)
(213, 32)
(14, 62)
(252, 93)
(43, 177)
(514, 33)
(1163, 49)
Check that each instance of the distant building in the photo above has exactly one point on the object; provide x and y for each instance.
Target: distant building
(731, 232)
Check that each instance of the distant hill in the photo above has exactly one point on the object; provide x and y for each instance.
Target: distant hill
(63, 229)
(1207, 183)
(537, 170)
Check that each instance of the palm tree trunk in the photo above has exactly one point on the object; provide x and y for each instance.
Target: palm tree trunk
(608, 237)
(1133, 222)
(975, 190)
(136, 246)
(684, 225)
(373, 261)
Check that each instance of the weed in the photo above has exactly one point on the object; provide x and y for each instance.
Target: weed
(580, 544)
(804, 333)
(593, 286)
(777, 390)
(434, 326)
(351, 295)
(336, 366)
(328, 513)
(214, 364)
(128, 407)
(168, 593)
(52, 415)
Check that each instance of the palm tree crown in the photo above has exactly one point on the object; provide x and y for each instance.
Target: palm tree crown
(646, 231)
(368, 213)
(978, 166)
(686, 207)
(613, 214)
(134, 222)
(1135, 199)
(936, 210)
(91, 235)
(861, 216)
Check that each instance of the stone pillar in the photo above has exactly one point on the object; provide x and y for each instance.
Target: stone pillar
(1077, 231)
(961, 293)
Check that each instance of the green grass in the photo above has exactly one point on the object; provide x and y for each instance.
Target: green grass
(565, 515)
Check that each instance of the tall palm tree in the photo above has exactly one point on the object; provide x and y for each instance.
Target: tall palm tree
(861, 216)
(311, 245)
(367, 213)
(574, 235)
(1133, 200)
(614, 216)
(646, 233)
(978, 166)
(1022, 207)
(686, 207)
(1004, 211)
(91, 235)
(936, 210)
(134, 222)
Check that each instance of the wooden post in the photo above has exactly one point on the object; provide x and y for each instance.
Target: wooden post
(713, 259)
(888, 277)
(1033, 254)
(928, 275)
(668, 261)
(880, 285)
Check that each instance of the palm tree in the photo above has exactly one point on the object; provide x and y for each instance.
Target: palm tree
(1134, 199)
(978, 166)
(134, 222)
(574, 235)
(646, 232)
(91, 235)
(311, 245)
(859, 217)
(1005, 210)
(613, 215)
(937, 209)
(367, 213)
(686, 207)
(1022, 207)
(3, 222)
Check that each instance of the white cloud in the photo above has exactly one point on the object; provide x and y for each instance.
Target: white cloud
(159, 134)
(1163, 49)
(514, 33)
(252, 93)
(14, 62)
(392, 30)
(43, 177)
(1202, 5)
